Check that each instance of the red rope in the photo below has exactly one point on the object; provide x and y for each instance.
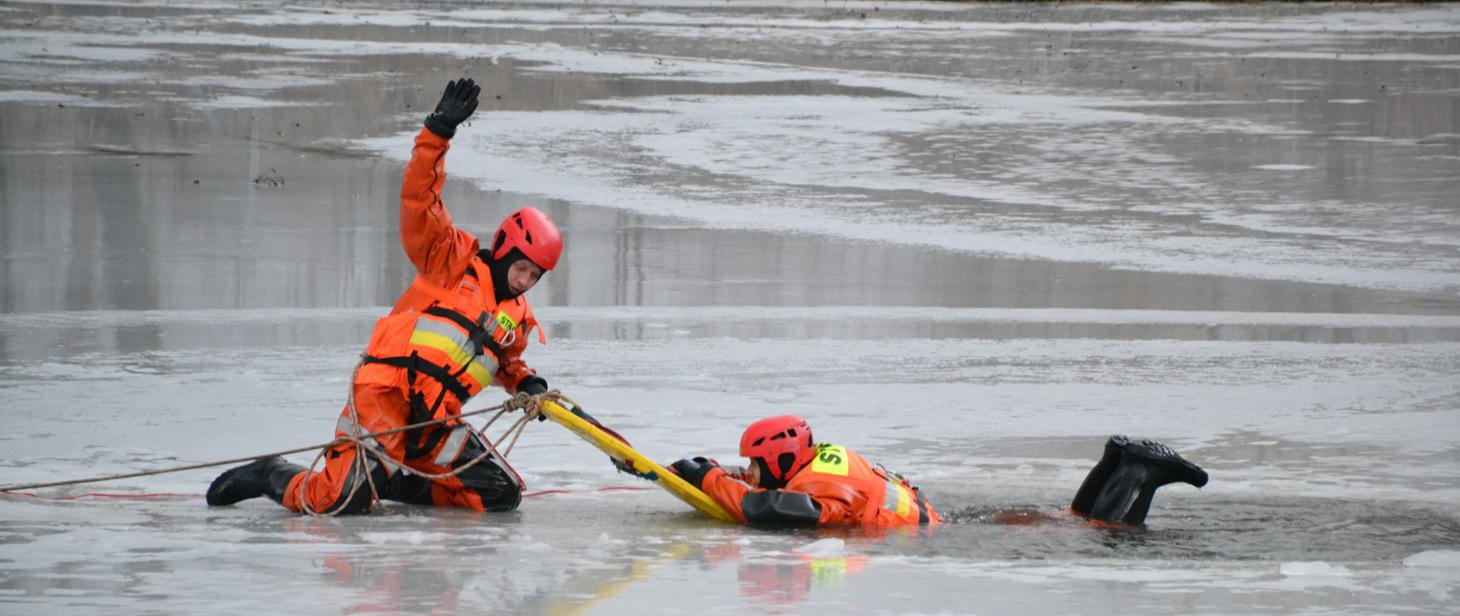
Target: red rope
(111, 495)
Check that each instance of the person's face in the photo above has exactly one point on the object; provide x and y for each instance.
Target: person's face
(522, 275)
(752, 473)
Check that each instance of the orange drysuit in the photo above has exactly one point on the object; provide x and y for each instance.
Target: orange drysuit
(838, 487)
(446, 339)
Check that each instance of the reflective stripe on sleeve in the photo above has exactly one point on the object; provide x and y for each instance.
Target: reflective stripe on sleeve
(897, 499)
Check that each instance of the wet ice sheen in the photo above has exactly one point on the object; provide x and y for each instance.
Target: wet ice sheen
(969, 241)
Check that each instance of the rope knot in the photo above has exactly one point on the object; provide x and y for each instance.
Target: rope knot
(522, 401)
(529, 404)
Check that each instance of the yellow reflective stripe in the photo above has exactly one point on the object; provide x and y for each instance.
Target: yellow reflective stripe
(423, 336)
(442, 328)
(830, 459)
(897, 499)
(481, 369)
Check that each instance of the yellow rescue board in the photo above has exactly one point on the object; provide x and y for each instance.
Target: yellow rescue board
(623, 453)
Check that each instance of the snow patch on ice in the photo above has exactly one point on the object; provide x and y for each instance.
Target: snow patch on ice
(1443, 559)
(1313, 568)
(239, 101)
(33, 96)
(1282, 167)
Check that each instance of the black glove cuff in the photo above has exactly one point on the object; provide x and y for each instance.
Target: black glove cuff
(532, 385)
(694, 471)
(441, 126)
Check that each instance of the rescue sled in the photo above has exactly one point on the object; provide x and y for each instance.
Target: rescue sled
(630, 460)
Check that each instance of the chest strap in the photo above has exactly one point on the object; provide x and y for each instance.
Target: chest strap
(414, 365)
(479, 332)
(420, 441)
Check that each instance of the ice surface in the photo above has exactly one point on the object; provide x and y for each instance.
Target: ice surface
(969, 241)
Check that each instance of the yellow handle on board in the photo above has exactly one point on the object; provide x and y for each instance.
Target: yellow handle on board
(621, 451)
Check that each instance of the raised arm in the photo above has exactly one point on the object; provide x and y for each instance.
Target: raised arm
(438, 249)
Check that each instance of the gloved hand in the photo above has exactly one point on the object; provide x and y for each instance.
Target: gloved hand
(693, 470)
(736, 472)
(532, 385)
(457, 104)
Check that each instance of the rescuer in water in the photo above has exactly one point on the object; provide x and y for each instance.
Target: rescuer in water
(794, 481)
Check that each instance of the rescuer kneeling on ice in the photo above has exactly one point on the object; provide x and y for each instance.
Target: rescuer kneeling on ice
(461, 325)
(793, 481)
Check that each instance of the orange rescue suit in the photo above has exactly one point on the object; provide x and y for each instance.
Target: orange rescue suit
(452, 292)
(445, 340)
(844, 487)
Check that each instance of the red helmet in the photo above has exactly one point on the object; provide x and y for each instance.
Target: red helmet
(783, 444)
(532, 232)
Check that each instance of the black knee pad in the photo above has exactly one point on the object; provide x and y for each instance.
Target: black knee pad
(490, 478)
(494, 484)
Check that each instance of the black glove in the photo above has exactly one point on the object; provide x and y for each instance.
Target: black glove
(532, 385)
(457, 103)
(693, 470)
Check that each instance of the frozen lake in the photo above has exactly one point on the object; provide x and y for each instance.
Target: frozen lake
(968, 241)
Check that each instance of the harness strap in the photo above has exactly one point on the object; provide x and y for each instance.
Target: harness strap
(479, 332)
(922, 506)
(413, 364)
(420, 441)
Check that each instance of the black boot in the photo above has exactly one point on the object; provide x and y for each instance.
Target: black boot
(262, 477)
(280, 474)
(1142, 467)
(1095, 480)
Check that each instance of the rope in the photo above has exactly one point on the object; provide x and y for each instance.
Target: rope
(191, 495)
(528, 403)
(360, 454)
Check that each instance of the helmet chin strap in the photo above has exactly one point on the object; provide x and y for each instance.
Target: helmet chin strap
(767, 480)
